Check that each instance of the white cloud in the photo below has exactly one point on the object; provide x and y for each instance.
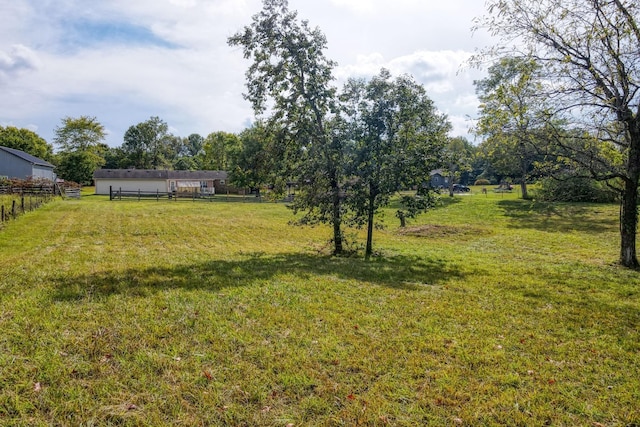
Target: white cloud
(197, 85)
(19, 58)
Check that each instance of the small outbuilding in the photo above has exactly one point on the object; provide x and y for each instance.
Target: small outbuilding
(20, 165)
(438, 179)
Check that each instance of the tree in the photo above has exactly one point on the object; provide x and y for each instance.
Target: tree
(79, 166)
(193, 145)
(81, 148)
(253, 164)
(588, 50)
(27, 141)
(218, 149)
(457, 155)
(148, 144)
(291, 78)
(397, 134)
(512, 114)
(78, 134)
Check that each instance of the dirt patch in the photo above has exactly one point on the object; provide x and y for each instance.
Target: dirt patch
(433, 230)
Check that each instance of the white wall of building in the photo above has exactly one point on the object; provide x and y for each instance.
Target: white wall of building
(144, 186)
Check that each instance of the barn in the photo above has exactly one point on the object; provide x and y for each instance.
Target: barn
(20, 165)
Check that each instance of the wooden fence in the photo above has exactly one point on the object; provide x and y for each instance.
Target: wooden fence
(120, 194)
(13, 206)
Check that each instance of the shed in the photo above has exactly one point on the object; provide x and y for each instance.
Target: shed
(18, 164)
(437, 179)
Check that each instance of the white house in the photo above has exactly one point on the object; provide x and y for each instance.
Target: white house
(159, 181)
(18, 164)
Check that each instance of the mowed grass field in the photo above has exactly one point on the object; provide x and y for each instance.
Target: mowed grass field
(488, 310)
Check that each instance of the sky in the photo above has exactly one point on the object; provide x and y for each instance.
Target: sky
(124, 61)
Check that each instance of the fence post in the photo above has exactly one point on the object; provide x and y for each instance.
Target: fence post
(2, 214)
(22, 203)
(110, 193)
(13, 209)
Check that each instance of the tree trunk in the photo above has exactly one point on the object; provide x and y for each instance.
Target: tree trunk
(524, 166)
(403, 220)
(629, 204)
(337, 220)
(523, 187)
(629, 225)
(372, 208)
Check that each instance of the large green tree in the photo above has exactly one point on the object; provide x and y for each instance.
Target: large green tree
(27, 141)
(218, 150)
(396, 135)
(513, 115)
(82, 149)
(79, 134)
(291, 78)
(149, 145)
(254, 164)
(79, 165)
(589, 53)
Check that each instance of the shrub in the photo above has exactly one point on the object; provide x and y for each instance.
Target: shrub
(575, 189)
(482, 181)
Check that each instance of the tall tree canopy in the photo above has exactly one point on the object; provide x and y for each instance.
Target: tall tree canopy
(27, 141)
(218, 150)
(78, 134)
(588, 50)
(396, 135)
(82, 149)
(513, 113)
(148, 145)
(254, 163)
(290, 78)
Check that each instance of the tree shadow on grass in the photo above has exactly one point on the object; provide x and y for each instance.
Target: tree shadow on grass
(557, 217)
(407, 273)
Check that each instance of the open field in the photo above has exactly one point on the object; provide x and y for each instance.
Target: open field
(488, 310)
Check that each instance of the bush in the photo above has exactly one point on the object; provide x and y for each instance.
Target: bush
(574, 189)
(482, 181)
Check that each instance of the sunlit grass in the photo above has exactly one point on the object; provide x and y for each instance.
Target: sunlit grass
(488, 310)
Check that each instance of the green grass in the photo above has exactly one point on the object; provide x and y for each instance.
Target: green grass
(488, 310)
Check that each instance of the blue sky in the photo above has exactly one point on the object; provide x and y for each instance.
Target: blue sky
(124, 61)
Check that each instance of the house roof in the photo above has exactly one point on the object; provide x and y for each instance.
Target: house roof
(27, 157)
(158, 174)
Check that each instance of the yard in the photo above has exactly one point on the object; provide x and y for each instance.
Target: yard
(488, 310)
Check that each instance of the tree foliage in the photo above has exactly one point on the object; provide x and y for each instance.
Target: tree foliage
(27, 141)
(254, 163)
(513, 115)
(82, 149)
(396, 134)
(588, 51)
(79, 134)
(149, 145)
(290, 81)
(456, 159)
(218, 150)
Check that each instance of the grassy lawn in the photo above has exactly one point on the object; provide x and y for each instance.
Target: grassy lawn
(488, 310)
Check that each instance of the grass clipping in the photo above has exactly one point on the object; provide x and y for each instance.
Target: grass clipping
(439, 231)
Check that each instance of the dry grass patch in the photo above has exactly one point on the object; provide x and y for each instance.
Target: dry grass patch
(442, 231)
